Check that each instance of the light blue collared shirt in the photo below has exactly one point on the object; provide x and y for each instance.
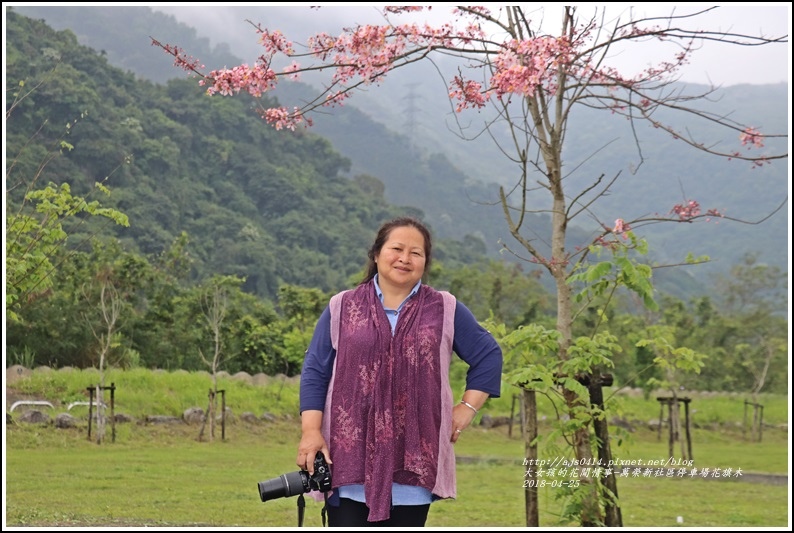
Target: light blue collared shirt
(394, 313)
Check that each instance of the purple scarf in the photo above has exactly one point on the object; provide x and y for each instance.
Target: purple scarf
(386, 400)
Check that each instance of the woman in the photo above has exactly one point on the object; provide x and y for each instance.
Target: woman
(375, 396)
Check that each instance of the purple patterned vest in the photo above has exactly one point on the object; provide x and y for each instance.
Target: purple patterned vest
(388, 412)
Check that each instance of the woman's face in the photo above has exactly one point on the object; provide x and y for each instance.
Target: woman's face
(401, 261)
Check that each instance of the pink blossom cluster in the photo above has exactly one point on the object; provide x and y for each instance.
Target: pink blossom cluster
(752, 137)
(523, 66)
(686, 211)
(280, 118)
(713, 213)
(256, 81)
(479, 10)
(691, 209)
(181, 59)
(366, 52)
(274, 43)
(405, 9)
(635, 31)
(621, 228)
(293, 71)
(468, 93)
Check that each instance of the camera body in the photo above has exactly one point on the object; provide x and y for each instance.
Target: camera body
(298, 482)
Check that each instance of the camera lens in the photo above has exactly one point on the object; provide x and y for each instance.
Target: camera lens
(283, 486)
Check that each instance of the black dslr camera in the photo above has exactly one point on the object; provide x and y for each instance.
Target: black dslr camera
(297, 482)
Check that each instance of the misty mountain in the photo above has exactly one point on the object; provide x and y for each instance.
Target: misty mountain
(403, 133)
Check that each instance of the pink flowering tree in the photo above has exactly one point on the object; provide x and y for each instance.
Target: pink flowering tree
(535, 81)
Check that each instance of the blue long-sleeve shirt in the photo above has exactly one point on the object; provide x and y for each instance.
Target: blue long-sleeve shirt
(473, 343)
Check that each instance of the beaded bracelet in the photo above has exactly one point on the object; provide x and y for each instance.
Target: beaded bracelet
(470, 406)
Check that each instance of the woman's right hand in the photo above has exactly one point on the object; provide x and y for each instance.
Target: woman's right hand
(312, 441)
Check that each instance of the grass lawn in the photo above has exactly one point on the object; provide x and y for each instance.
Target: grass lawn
(160, 475)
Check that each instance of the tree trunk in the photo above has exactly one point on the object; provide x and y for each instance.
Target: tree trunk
(100, 413)
(591, 515)
(675, 424)
(529, 408)
(209, 418)
(612, 514)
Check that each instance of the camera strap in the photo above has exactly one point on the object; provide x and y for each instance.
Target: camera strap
(301, 509)
(324, 512)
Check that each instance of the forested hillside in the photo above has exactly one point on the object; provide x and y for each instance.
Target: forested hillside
(457, 194)
(271, 207)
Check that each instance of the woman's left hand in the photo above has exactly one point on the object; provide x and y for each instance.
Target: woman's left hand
(463, 414)
(462, 417)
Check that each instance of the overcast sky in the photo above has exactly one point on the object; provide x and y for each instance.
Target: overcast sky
(716, 63)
